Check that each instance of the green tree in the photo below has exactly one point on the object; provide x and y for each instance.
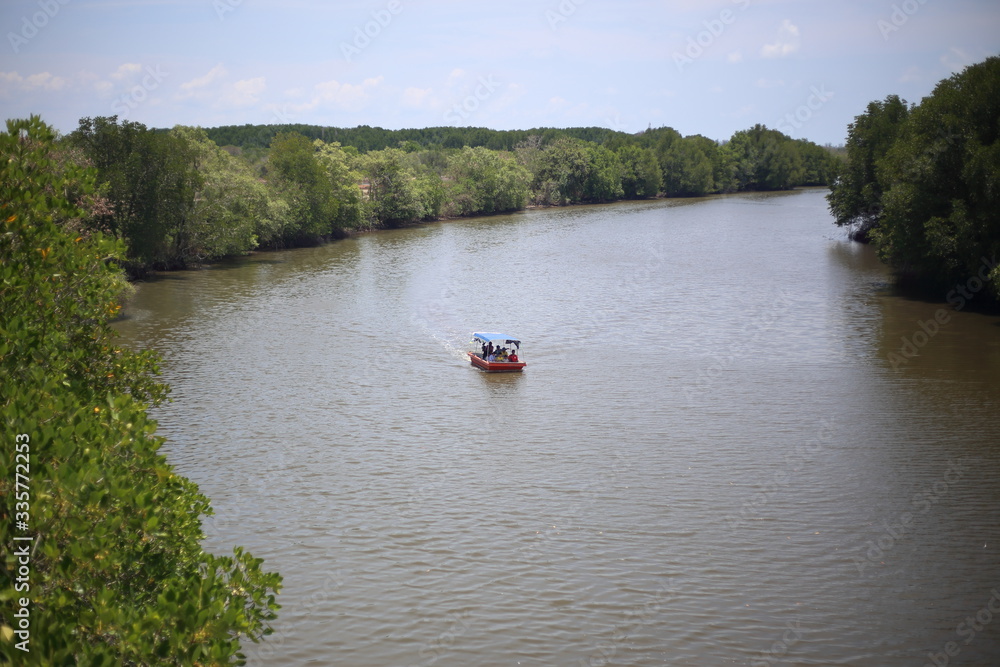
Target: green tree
(150, 181)
(393, 195)
(603, 181)
(819, 165)
(118, 575)
(293, 166)
(766, 159)
(485, 181)
(942, 177)
(228, 204)
(687, 169)
(277, 222)
(856, 195)
(641, 175)
(342, 172)
(722, 161)
(430, 191)
(560, 172)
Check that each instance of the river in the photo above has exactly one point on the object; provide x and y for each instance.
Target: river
(735, 442)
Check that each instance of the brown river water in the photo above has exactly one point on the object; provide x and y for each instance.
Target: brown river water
(735, 442)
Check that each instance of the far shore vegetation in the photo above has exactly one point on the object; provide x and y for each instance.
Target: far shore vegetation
(188, 195)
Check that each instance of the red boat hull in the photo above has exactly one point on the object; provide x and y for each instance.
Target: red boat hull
(496, 366)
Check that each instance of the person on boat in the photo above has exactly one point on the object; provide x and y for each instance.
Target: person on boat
(512, 357)
(489, 351)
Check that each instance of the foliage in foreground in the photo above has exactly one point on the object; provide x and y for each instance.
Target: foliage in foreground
(923, 182)
(116, 575)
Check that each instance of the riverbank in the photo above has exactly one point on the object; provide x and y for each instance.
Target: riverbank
(353, 233)
(198, 201)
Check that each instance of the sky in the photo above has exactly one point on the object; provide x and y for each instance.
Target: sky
(710, 67)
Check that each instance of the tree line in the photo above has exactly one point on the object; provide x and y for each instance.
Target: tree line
(922, 182)
(366, 138)
(115, 573)
(177, 197)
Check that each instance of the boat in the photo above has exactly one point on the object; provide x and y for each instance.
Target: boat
(501, 345)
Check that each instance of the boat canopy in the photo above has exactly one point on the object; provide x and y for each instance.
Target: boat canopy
(492, 337)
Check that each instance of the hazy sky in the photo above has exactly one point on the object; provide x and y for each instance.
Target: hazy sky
(708, 67)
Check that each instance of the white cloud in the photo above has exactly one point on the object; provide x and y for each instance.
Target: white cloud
(212, 88)
(343, 96)
(203, 81)
(770, 83)
(125, 79)
(735, 57)
(10, 77)
(788, 42)
(126, 70)
(40, 81)
(45, 81)
(243, 93)
(416, 97)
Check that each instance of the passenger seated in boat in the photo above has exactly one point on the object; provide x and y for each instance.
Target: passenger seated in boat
(512, 357)
(502, 355)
